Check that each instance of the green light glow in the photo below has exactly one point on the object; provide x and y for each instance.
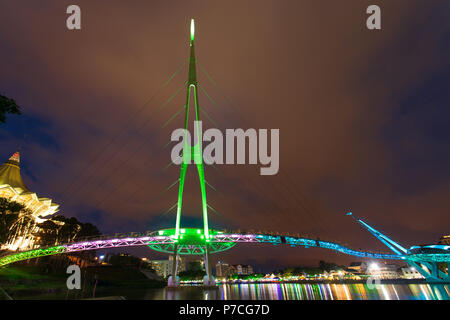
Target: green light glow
(31, 254)
(192, 152)
(190, 242)
(192, 30)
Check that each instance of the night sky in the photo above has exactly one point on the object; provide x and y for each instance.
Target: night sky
(363, 115)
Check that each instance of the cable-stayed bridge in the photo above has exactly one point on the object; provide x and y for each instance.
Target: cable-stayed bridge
(423, 258)
(205, 241)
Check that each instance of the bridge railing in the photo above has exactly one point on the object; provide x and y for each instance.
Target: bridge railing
(116, 236)
(270, 236)
(89, 239)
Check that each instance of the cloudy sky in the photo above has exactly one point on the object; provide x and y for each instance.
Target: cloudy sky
(363, 115)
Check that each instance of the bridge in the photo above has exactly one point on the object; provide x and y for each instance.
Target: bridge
(192, 242)
(157, 240)
(205, 241)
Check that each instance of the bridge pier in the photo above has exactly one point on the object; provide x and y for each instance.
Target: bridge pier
(430, 271)
(174, 280)
(208, 280)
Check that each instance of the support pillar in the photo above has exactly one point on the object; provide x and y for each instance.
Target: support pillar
(435, 270)
(208, 280)
(174, 280)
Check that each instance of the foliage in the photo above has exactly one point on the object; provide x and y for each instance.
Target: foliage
(254, 276)
(194, 266)
(8, 205)
(59, 230)
(327, 266)
(7, 105)
(13, 218)
(309, 271)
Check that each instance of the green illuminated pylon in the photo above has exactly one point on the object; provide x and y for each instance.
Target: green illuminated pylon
(196, 152)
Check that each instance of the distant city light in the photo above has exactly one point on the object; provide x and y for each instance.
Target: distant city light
(374, 266)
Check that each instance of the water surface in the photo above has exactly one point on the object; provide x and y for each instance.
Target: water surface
(296, 291)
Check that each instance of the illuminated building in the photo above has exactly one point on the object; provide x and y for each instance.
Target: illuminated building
(337, 274)
(411, 273)
(383, 271)
(445, 240)
(241, 269)
(38, 209)
(163, 268)
(358, 267)
(222, 269)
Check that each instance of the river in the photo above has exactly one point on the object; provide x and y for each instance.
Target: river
(296, 291)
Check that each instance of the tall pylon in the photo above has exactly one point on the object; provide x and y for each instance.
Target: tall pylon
(194, 153)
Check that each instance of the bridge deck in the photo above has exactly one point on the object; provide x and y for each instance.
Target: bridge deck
(153, 238)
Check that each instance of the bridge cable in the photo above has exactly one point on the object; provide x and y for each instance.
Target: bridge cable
(313, 217)
(125, 143)
(114, 138)
(124, 162)
(215, 103)
(170, 120)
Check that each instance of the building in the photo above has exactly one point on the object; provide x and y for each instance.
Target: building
(222, 269)
(445, 240)
(411, 273)
(39, 209)
(358, 267)
(163, 268)
(241, 269)
(383, 271)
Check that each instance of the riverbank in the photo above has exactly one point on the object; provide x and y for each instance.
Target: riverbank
(111, 282)
(42, 282)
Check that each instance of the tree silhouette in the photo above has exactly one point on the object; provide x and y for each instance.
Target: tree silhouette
(7, 105)
(14, 218)
(59, 230)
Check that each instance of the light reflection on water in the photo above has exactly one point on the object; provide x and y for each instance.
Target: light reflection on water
(296, 291)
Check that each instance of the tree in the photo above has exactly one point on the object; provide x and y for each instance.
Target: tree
(194, 266)
(60, 230)
(7, 105)
(327, 266)
(194, 271)
(14, 219)
(88, 230)
(48, 233)
(288, 272)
